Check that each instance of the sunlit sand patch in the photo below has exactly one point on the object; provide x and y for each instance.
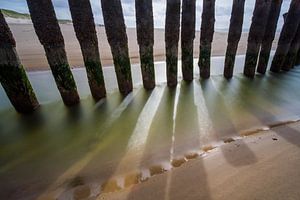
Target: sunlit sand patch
(81, 192)
(228, 140)
(136, 144)
(110, 186)
(177, 162)
(206, 127)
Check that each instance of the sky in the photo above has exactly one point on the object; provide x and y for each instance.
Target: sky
(223, 11)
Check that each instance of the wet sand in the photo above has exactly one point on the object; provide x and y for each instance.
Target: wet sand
(33, 58)
(154, 145)
(267, 169)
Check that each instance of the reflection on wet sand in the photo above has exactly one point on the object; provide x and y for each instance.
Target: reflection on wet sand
(120, 142)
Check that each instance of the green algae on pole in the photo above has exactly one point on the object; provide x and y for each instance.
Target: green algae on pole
(269, 36)
(145, 37)
(256, 34)
(171, 39)
(234, 36)
(83, 22)
(48, 31)
(187, 38)
(287, 35)
(12, 74)
(207, 33)
(117, 38)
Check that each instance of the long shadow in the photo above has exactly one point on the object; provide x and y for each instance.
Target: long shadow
(290, 134)
(223, 125)
(256, 104)
(112, 146)
(187, 138)
(171, 136)
(62, 140)
(158, 145)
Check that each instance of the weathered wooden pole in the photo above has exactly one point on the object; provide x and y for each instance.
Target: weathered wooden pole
(171, 39)
(117, 38)
(269, 36)
(234, 36)
(291, 57)
(256, 34)
(188, 24)
(298, 58)
(145, 37)
(84, 25)
(287, 35)
(12, 74)
(207, 33)
(48, 31)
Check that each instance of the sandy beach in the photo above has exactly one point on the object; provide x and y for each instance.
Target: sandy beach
(33, 57)
(262, 166)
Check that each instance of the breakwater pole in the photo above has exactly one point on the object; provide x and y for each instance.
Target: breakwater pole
(206, 37)
(291, 57)
(171, 39)
(298, 58)
(234, 36)
(269, 36)
(48, 31)
(145, 37)
(116, 34)
(287, 35)
(188, 24)
(256, 34)
(84, 26)
(12, 74)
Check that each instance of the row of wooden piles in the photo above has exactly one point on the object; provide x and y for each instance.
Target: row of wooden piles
(261, 35)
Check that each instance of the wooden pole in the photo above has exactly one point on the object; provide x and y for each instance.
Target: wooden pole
(172, 38)
(48, 31)
(12, 74)
(234, 36)
(291, 57)
(298, 58)
(256, 34)
(117, 38)
(84, 26)
(287, 35)
(269, 36)
(145, 37)
(206, 38)
(188, 24)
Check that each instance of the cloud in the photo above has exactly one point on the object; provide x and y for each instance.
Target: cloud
(223, 11)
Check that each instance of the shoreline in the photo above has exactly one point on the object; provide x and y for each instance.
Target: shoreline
(33, 58)
(215, 177)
